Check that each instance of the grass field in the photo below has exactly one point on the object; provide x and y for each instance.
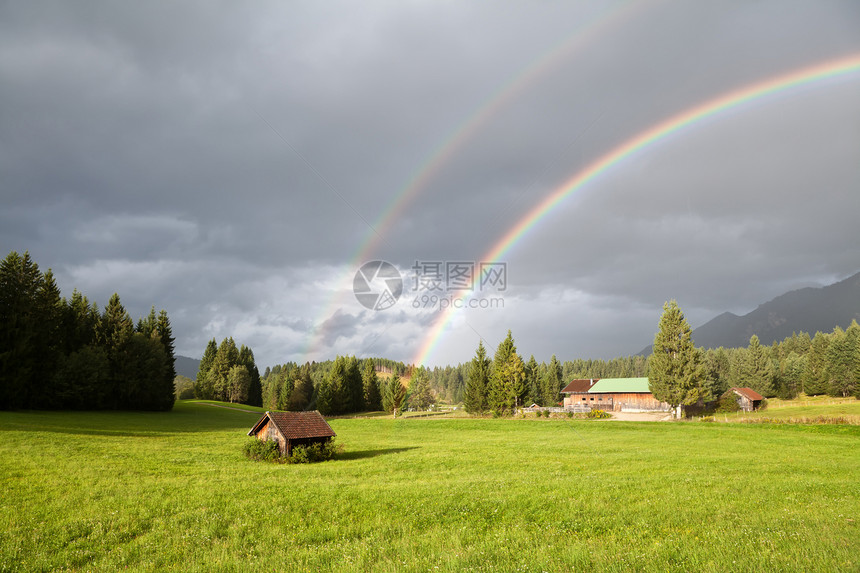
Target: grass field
(804, 407)
(171, 491)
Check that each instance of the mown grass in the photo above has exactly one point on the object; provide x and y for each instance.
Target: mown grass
(172, 491)
(802, 408)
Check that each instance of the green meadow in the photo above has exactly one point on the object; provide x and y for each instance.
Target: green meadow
(172, 491)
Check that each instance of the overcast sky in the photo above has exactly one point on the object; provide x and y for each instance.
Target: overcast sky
(229, 162)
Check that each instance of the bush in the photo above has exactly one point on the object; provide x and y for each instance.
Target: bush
(269, 451)
(597, 414)
(570, 414)
(319, 452)
(259, 450)
(728, 402)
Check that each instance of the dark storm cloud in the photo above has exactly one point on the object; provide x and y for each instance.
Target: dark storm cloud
(224, 161)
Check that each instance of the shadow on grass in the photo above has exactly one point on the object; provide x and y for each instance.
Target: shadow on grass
(361, 454)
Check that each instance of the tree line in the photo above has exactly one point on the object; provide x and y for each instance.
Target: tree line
(682, 374)
(229, 374)
(58, 353)
(347, 385)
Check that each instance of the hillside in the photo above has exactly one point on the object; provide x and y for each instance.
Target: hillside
(808, 310)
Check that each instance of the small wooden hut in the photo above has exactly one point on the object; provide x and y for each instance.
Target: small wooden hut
(292, 429)
(748, 399)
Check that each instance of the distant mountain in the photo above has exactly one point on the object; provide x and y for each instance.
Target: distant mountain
(187, 366)
(807, 309)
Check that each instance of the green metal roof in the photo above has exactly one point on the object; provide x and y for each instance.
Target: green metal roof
(605, 385)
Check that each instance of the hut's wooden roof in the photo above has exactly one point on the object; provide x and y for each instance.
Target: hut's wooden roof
(748, 393)
(297, 425)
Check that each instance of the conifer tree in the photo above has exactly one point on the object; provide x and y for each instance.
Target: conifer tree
(507, 379)
(238, 382)
(477, 382)
(815, 380)
(551, 384)
(370, 384)
(675, 375)
(254, 395)
(303, 391)
(756, 372)
(533, 382)
(843, 360)
(392, 397)
(354, 386)
(202, 389)
(421, 397)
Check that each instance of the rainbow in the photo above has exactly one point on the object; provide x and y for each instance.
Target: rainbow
(659, 132)
(421, 178)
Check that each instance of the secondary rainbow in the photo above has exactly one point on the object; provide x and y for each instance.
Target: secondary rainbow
(662, 130)
(578, 39)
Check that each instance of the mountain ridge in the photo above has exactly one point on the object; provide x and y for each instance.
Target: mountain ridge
(808, 309)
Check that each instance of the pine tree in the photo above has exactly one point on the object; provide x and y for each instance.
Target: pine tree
(226, 358)
(533, 383)
(255, 390)
(421, 397)
(117, 329)
(238, 382)
(370, 386)
(20, 282)
(202, 389)
(392, 397)
(303, 391)
(507, 379)
(551, 384)
(756, 371)
(675, 375)
(354, 386)
(716, 373)
(843, 360)
(815, 379)
(475, 395)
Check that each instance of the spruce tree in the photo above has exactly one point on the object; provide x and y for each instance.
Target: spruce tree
(475, 395)
(843, 360)
(392, 397)
(815, 380)
(202, 389)
(533, 383)
(756, 369)
(507, 379)
(370, 386)
(354, 386)
(238, 382)
(255, 390)
(303, 391)
(675, 374)
(421, 397)
(552, 383)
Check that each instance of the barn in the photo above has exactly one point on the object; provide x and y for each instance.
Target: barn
(576, 393)
(292, 429)
(748, 399)
(612, 394)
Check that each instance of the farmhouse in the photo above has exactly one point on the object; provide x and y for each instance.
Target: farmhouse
(292, 429)
(576, 393)
(612, 394)
(748, 399)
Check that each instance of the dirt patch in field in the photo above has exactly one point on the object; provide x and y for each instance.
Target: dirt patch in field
(641, 416)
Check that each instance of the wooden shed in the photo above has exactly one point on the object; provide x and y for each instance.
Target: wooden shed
(292, 429)
(748, 399)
